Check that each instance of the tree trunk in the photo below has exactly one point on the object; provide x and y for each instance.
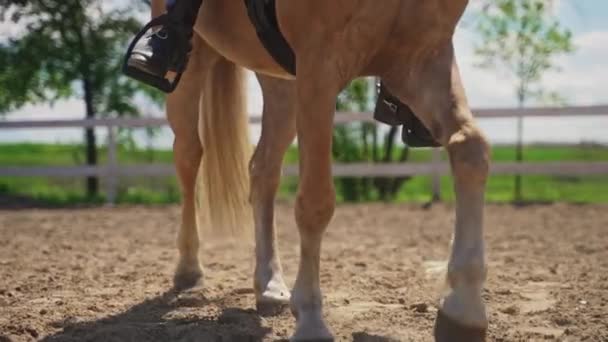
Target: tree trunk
(92, 183)
(519, 156)
(382, 183)
(365, 181)
(399, 181)
(519, 153)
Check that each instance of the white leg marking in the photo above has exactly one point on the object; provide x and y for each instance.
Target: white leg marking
(466, 268)
(269, 284)
(306, 299)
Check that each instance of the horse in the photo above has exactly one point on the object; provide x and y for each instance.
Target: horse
(409, 45)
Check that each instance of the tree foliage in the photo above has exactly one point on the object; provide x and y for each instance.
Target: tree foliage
(523, 38)
(366, 142)
(61, 44)
(70, 49)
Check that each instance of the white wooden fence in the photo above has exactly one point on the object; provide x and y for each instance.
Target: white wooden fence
(112, 170)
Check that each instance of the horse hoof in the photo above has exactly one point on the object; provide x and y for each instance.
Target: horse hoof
(273, 300)
(187, 280)
(328, 338)
(268, 308)
(448, 330)
(311, 328)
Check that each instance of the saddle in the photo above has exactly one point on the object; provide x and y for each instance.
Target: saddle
(389, 109)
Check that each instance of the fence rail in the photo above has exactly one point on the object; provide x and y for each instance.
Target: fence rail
(112, 169)
(340, 118)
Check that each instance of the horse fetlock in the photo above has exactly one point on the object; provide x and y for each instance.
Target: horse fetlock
(467, 271)
(466, 307)
(310, 326)
(466, 277)
(187, 243)
(188, 274)
(464, 303)
(304, 300)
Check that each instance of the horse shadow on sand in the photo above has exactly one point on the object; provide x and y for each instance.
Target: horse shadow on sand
(152, 320)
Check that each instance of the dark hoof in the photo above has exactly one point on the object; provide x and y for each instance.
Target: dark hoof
(318, 340)
(268, 309)
(447, 330)
(365, 337)
(185, 281)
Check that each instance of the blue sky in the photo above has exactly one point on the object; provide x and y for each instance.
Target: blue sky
(580, 81)
(580, 74)
(585, 15)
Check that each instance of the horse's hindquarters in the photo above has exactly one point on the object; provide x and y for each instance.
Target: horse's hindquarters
(226, 27)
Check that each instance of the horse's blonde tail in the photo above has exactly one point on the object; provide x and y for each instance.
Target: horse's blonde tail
(223, 128)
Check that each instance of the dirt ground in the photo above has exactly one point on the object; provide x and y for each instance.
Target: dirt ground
(105, 275)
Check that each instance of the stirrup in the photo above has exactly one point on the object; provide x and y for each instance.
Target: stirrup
(391, 111)
(160, 82)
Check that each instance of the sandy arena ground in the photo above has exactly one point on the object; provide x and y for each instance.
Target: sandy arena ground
(105, 275)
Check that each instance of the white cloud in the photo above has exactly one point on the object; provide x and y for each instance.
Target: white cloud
(583, 73)
(577, 79)
(484, 88)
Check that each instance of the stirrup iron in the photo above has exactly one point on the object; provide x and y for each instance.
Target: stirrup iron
(160, 82)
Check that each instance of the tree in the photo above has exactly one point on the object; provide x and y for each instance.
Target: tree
(67, 49)
(522, 38)
(366, 142)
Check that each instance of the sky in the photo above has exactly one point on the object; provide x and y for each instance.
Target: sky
(580, 73)
(580, 81)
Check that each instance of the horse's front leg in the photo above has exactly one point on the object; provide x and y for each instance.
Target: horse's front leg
(463, 311)
(315, 203)
(278, 131)
(439, 99)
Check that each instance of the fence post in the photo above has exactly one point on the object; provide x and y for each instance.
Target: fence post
(111, 174)
(436, 175)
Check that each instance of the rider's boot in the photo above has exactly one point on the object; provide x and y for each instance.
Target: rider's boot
(163, 45)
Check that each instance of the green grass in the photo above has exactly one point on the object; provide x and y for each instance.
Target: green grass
(158, 190)
(500, 188)
(64, 191)
(536, 188)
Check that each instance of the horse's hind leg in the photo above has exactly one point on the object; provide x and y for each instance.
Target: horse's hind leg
(438, 97)
(278, 131)
(182, 113)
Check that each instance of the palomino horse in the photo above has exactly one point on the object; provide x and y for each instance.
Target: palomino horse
(408, 43)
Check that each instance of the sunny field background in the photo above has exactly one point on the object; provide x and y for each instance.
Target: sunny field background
(161, 190)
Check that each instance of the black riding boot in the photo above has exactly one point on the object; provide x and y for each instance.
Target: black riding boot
(166, 47)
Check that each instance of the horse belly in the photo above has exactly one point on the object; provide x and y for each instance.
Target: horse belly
(225, 26)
